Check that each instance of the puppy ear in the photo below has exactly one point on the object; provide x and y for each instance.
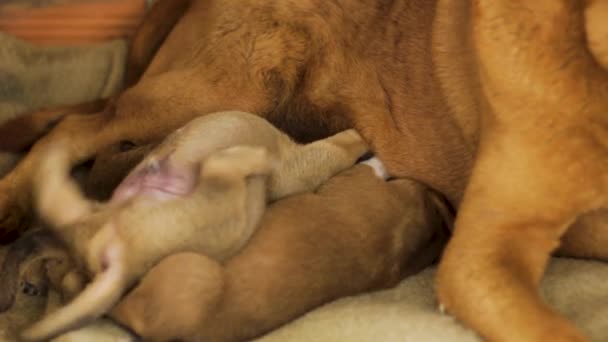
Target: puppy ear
(57, 197)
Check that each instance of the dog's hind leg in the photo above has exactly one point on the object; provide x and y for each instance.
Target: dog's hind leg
(21, 132)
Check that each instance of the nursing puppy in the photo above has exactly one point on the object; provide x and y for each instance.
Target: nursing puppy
(204, 189)
(374, 233)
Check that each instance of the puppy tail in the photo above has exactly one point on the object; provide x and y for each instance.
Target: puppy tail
(57, 197)
(95, 300)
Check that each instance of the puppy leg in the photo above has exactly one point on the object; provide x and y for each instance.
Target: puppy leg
(236, 164)
(237, 176)
(306, 167)
(587, 237)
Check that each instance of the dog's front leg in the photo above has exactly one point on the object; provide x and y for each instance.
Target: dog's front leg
(541, 164)
(236, 175)
(512, 217)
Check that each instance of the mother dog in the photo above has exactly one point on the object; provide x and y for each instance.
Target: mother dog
(501, 106)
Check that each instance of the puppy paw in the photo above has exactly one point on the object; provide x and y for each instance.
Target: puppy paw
(351, 141)
(379, 168)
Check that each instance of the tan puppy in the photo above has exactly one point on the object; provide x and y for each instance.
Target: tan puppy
(164, 206)
(355, 233)
(497, 104)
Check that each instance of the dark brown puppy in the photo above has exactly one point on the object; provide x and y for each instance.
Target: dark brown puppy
(355, 233)
(487, 96)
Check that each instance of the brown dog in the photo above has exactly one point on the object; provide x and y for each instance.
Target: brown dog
(164, 206)
(373, 234)
(503, 99)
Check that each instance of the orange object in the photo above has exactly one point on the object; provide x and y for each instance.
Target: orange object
(72, 22)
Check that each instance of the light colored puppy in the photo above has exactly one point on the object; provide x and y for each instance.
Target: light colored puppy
(204, 189)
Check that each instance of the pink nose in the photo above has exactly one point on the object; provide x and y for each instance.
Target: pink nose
(72, 22)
